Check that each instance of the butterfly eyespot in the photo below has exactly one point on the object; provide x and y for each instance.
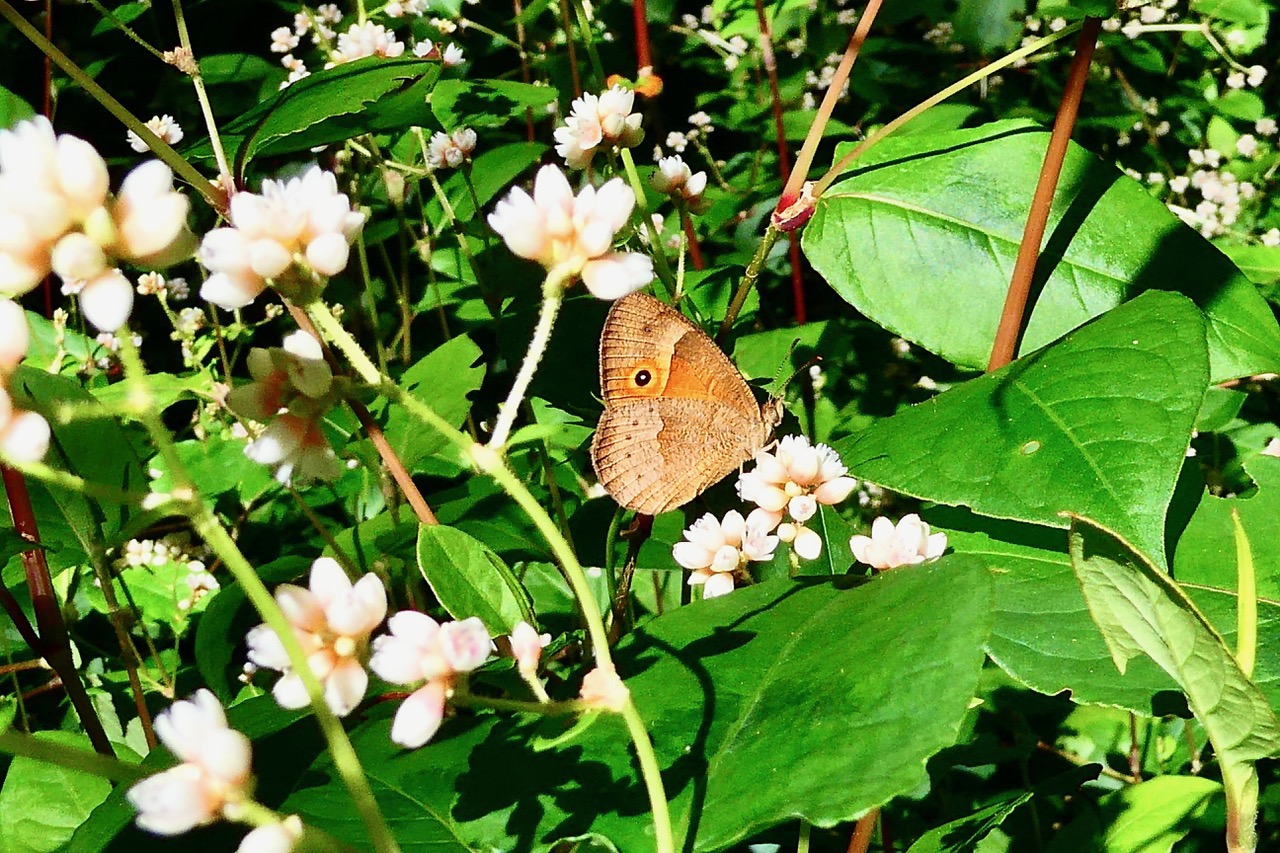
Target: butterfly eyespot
(643, 378)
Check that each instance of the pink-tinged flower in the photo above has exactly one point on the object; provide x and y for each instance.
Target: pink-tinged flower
(793, 480)
(332, 620)
(367, 39)
(56, 216)
(574, 233)
(420, 649)
(24, 436)
(106, 299)
(673, 177)
(905, 544)
(15, 336)
(296, 234)
(215, 768)
(717, 552)
(602, 688)
(165, 127)
(452, 56)
(595, 121)
(451, 150)
(290, 391)
(273, 837)
(526, 646)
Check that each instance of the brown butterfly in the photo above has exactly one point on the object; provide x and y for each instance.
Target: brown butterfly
(678, 416)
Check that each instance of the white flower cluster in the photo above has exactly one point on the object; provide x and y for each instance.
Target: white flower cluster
(451, 150)
(56, 216)
(673, 177)
(595, 121)
(24, 436)
(1222, 195)
(291, 391)
(162, 126)
(890, 546)
(574, 233)
(367, 39)
(792, 480)
(295, 234)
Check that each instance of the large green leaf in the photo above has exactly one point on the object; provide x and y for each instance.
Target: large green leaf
(927, 222)
(470, 580)
(41, 804)
(1045, 638)
(365, 96)
(1141, 611)
(779, 701)
(487, 103)
(1096, 424)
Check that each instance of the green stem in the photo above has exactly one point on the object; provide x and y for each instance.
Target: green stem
(588, 40)
(980, 74)
(665, 842)
(202, 97)
(220, 542)
(163, 150)
(1246, 600)
(749, 277)
(552, 299)
(29, 746)
(650, 229)
(491, 463)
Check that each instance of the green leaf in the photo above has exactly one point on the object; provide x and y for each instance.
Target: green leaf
(1043, 635)
(931, 221)
(1146, 818)
(41, 804)
(13, 109)
(165, 388)
(487, 103)
(1260, 263)
(443, 380)
(470, 580)
(1140, 610)
(368, 95)
(961, 835)
(1052, 432)
(1206, 550)
(756, 702)
(97, 450)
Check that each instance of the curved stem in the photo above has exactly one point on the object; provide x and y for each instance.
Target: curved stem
(202, 97)
(665, 842)
(980, 74)
(748, 279)
(345, 760)
(552, 298)
(491, 463)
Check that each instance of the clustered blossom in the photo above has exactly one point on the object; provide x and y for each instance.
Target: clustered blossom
(162, 126)
(215, 773)
(451, 150)
(889, 546)
(596, 120)
(24, 436)
(574, 234)
(421, 650)
(673, 177)
(57, 216)
(795, 478)
(1223, 196)
(717, 552)
(332, 620)
(291, 391)
(367, 39)
(295, 234)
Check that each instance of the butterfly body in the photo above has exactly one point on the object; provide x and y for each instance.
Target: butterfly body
(678, 415)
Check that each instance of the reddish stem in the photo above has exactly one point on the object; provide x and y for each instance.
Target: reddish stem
(695, 250)
(862, 832)
(53, 644)
(1015, 305)
(644, 58)
(784, 156)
